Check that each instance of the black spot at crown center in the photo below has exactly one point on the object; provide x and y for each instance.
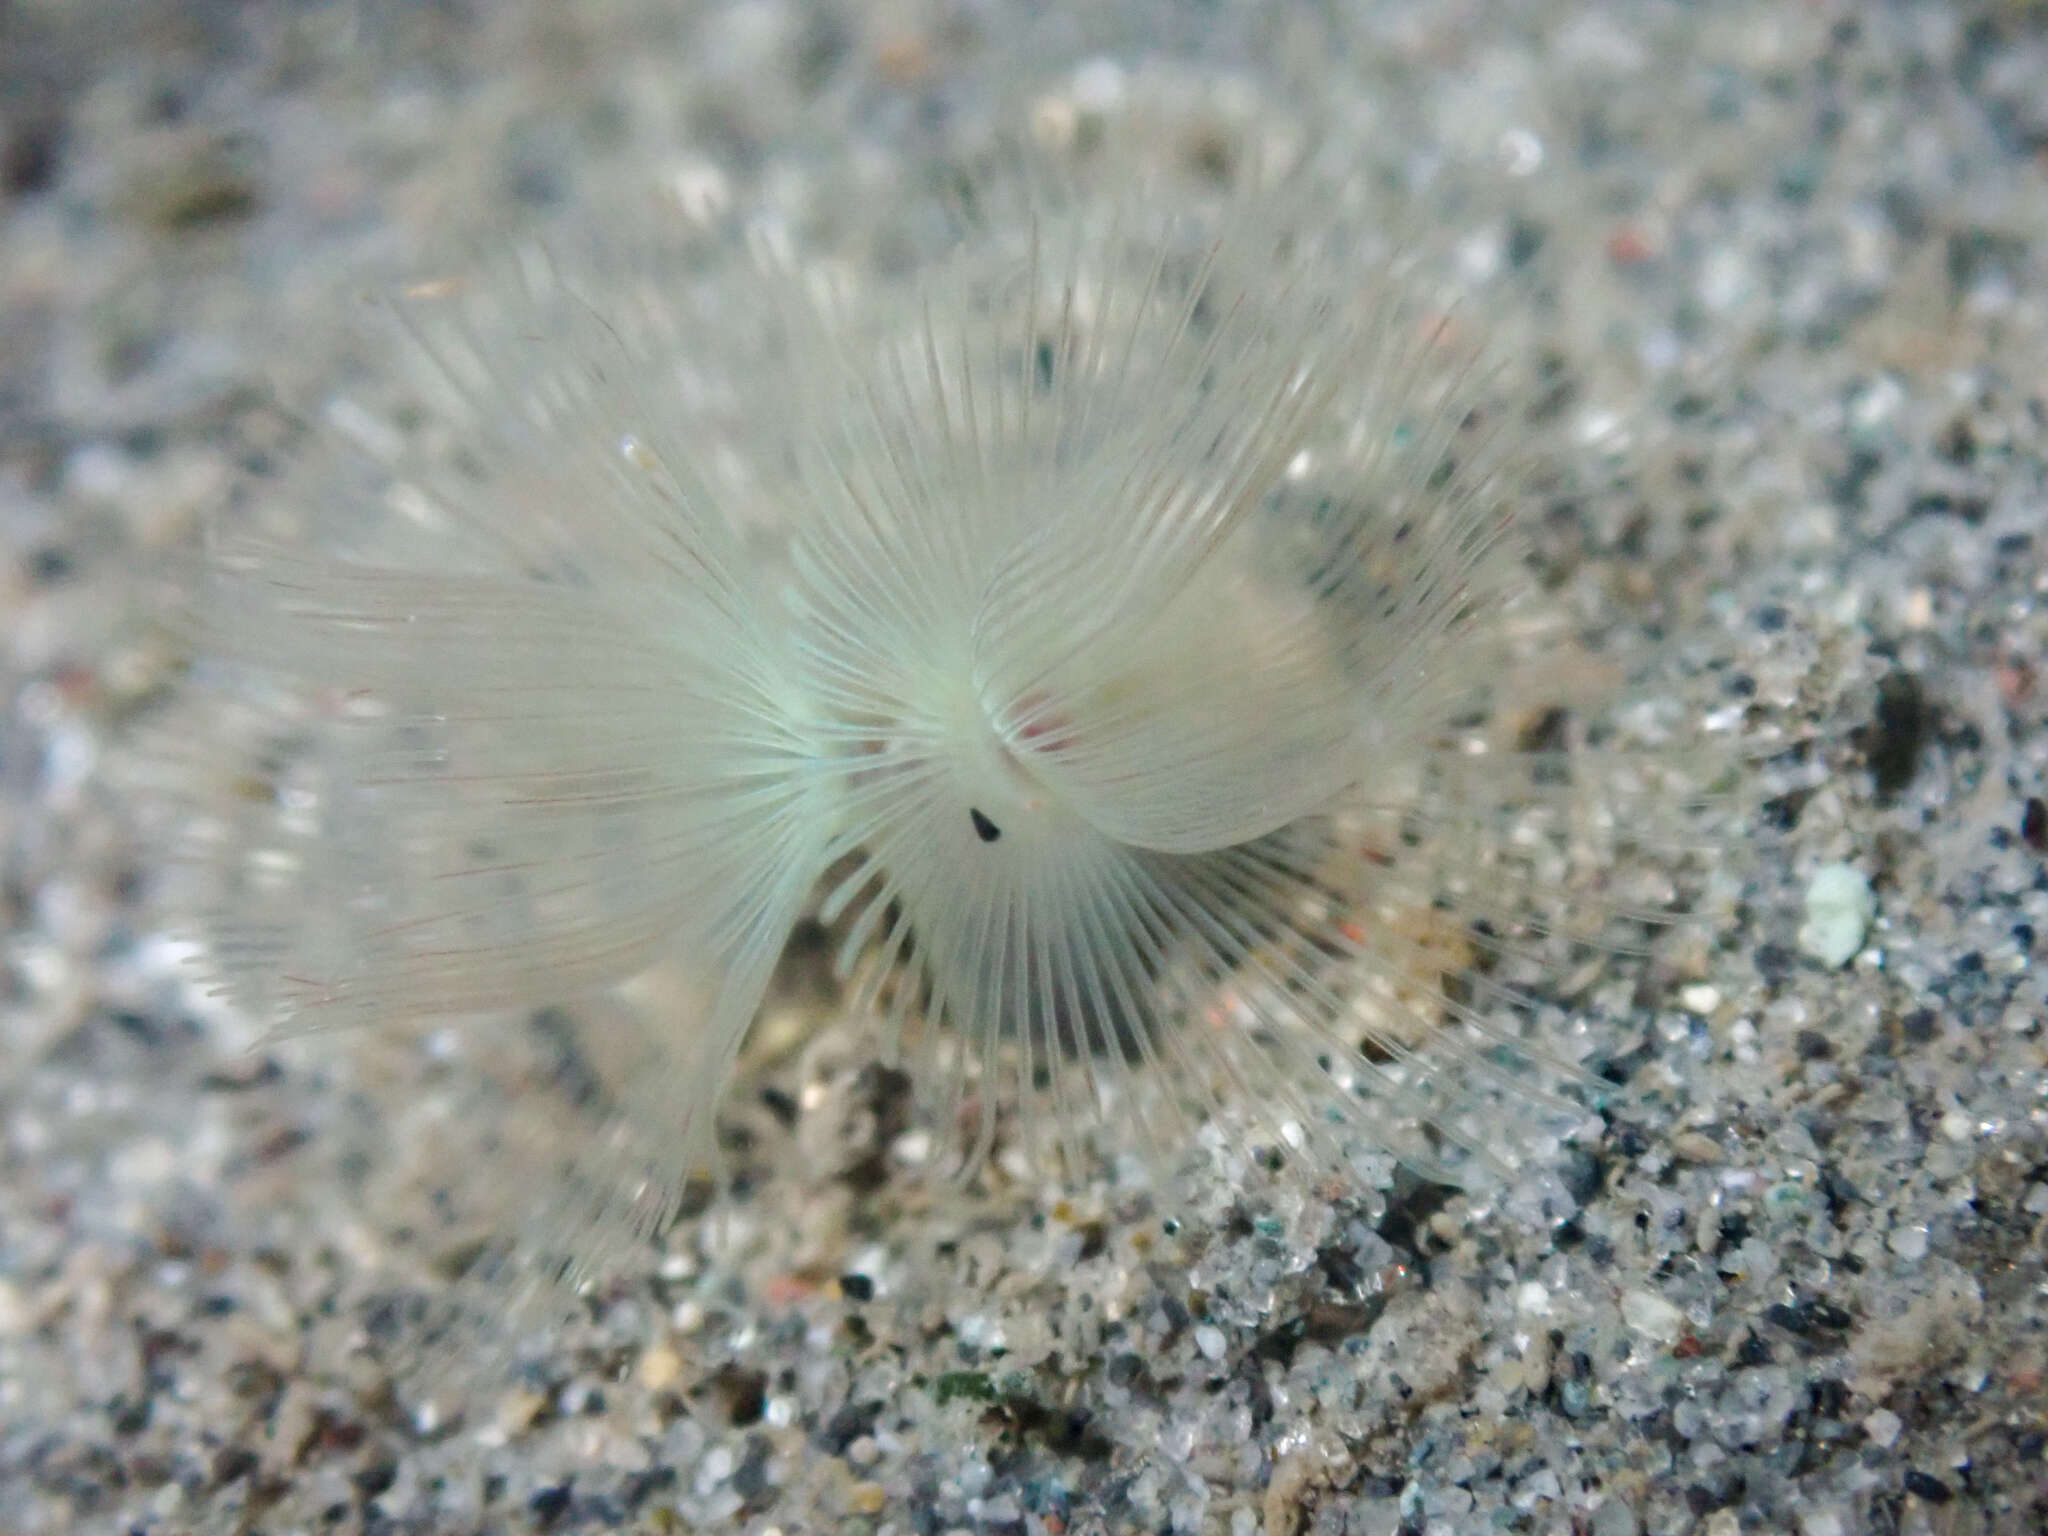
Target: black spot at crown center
(984, 829)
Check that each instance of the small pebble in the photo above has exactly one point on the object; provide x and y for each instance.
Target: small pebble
(1652, 1315)
(15, 1314)
(1839, 907)
(1909, 1243)
(517, 1410)
(659, 1368)
(1693, 1147)
(1927, 1488)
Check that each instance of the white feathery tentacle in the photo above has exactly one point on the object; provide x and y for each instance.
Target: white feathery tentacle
(1123, 614)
